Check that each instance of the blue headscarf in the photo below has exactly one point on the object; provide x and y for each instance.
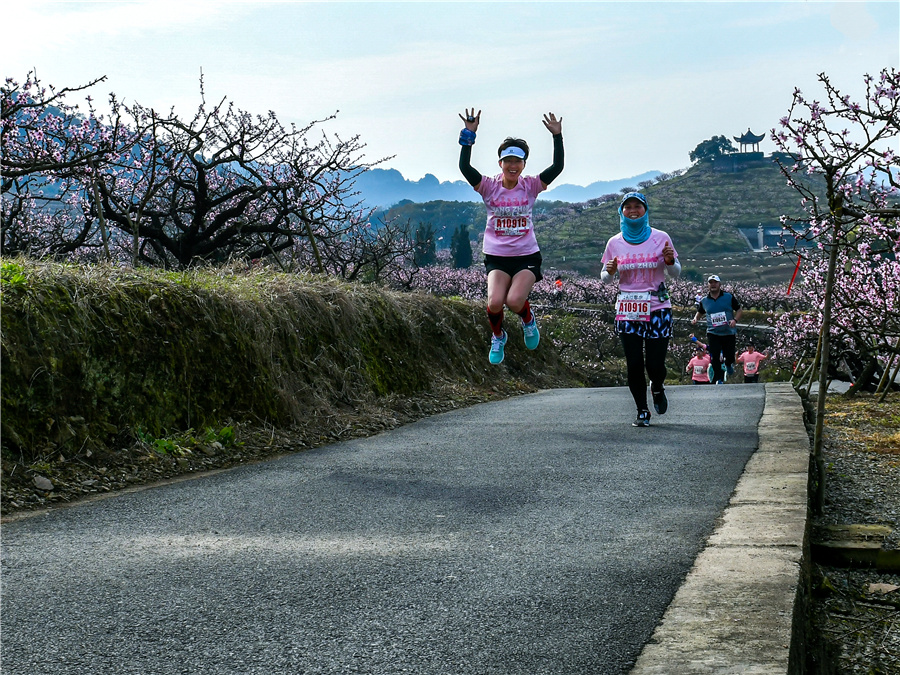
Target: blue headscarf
(637, 230)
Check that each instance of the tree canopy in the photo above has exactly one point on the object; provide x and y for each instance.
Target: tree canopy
(712, 148)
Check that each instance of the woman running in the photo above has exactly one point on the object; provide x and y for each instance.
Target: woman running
(511, 254)
(751, 359)
(641, 256)
(698, 366)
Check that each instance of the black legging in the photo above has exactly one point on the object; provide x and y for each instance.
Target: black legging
(720, 344)
(655, 363)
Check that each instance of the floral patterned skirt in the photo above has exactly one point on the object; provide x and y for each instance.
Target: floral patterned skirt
(659, 325)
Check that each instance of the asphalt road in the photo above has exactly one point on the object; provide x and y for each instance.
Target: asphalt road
(538, 535)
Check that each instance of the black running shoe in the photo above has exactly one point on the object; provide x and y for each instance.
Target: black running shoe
(660, 402)
(642, 420)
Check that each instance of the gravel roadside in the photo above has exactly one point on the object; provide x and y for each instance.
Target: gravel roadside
(857, 611)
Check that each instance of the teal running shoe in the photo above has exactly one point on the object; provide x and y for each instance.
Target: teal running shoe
(711, 374)
(497, 345)
(532, 334)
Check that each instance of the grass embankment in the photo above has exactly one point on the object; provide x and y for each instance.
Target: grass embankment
(99, 360)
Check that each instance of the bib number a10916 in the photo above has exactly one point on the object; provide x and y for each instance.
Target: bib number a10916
(633, 307)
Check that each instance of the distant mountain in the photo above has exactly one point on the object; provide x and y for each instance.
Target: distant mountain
(577, 193)
(386, 187)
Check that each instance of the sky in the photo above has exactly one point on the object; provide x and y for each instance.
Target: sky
(638, 84)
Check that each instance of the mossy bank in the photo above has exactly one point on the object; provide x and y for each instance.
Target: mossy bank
(97, 359)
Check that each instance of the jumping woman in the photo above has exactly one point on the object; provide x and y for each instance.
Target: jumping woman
(511, 254)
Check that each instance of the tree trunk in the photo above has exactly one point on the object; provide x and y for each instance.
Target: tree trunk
(810, 375)
(100, 215)
(825, 338)
(863, 380)
(890, 385)
(312, 240)
(882, 383)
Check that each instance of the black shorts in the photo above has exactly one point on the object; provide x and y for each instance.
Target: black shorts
(515, 263)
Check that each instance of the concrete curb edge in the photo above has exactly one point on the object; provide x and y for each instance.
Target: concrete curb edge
(741, 608)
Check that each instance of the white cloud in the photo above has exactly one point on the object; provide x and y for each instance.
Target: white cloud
(853, 20)
(63, 23)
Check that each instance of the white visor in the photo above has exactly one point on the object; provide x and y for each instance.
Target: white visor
(513, 151)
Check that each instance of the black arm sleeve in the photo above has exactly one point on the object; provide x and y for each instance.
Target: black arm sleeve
(465, 165)
(551, 172)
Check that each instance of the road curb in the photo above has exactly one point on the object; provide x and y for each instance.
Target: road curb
(745, 596)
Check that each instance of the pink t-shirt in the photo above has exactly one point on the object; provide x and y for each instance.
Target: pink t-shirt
(510, 227)
(697, 367)
(751, 362)
(641, 266)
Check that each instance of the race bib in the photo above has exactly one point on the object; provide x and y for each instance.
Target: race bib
(699, 370)
(633, 307)
(718, 319)
(511, 227)
(750, 367)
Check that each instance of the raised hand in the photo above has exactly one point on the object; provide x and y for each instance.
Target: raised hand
(668, 253)
(471, 119)
(554, 126)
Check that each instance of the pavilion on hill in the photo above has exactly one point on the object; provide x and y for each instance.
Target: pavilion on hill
(749, 138)
(739, 161)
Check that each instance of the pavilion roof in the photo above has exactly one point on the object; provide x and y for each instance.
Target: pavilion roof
(749, 138)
